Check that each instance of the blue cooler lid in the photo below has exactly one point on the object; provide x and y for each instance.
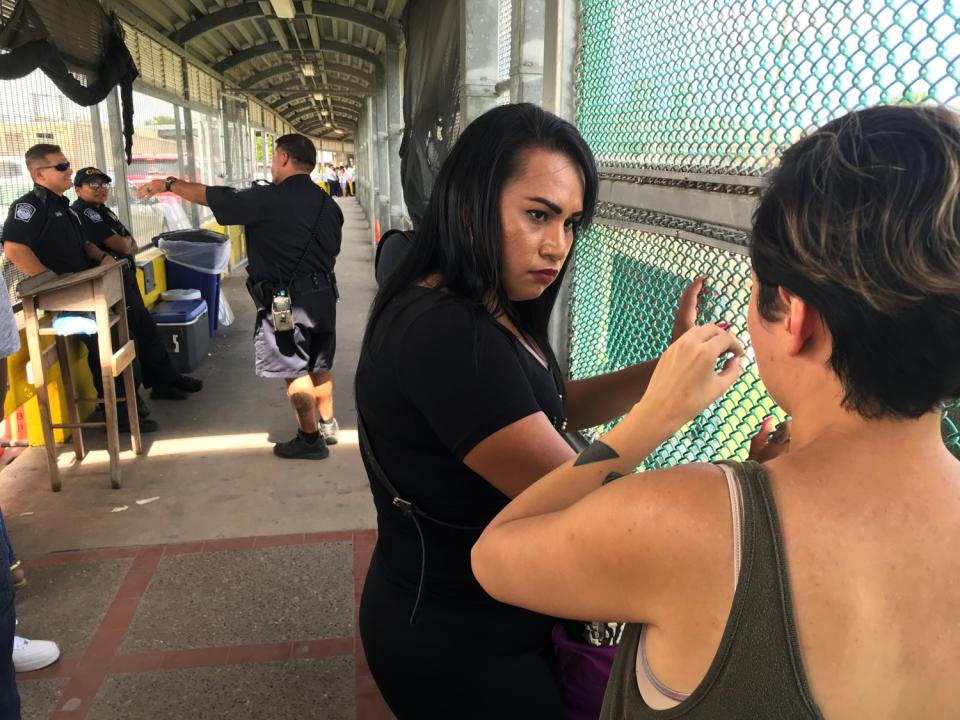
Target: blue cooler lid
(178, 311)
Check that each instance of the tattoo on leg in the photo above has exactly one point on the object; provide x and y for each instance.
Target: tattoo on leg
(302, 405)
(597, 452)
(611, 477)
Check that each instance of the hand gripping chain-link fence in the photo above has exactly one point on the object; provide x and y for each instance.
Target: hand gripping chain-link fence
(673, 89)
(624, 316)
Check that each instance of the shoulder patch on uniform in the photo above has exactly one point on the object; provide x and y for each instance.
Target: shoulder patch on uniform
(24, 211)
(93, 215)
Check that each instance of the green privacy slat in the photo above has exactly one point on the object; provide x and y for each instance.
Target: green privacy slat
(692, 87)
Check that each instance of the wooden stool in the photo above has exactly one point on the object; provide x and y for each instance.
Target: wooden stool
(98, 290)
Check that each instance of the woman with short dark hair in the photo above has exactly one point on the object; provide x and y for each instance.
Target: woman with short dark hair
(463, 406)
(823, 583)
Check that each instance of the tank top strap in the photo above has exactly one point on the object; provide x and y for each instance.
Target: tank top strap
(757, 671)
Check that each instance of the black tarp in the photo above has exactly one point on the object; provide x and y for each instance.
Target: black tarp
(431, 102)
(59, 37)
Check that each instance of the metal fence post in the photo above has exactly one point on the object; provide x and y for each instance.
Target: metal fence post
(122, 196)
(526, 51)
(395, 130)
(478, 58)
(560, 25)
(383, 156)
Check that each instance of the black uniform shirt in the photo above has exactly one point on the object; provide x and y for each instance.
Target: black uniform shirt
(99, 222)
(279, 220)
(45, 222)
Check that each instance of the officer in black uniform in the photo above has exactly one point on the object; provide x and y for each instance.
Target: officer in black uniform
(42, 232)
(293, 233)
(103, 228)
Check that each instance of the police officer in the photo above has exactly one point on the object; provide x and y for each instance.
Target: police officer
(103, 228)
(293, 237)
(43, 233)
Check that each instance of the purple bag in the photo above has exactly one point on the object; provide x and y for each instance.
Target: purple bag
(582, 671)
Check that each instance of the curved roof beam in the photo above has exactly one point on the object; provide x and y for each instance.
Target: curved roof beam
(230, 62)
(292, 105)
(256, 78)
(328, 133)
(307, 111)
(331, 88)
(310, 114)
(296, 99)
(250, 10)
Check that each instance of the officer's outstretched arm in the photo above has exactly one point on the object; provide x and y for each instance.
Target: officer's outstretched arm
(191, 192)
(23, 258)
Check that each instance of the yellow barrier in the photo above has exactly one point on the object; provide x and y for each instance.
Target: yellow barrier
(156, 258)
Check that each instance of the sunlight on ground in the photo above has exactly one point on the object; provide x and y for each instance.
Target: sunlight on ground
(203, 444)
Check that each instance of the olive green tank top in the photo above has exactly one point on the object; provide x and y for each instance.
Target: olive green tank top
(757, 673)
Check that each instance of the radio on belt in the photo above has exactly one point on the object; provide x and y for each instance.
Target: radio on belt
(282, 310)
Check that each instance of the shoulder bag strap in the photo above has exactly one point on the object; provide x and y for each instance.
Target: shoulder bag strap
(407, 508)
(313, 234)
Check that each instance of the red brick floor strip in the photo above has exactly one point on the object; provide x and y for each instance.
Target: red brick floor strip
(87, 673)
(95, 663)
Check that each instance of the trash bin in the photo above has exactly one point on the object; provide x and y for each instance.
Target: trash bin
(195, 259)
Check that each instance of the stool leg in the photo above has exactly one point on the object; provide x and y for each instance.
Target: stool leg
(66, 372)
(105, 346)
(40, 384)
(129, 384)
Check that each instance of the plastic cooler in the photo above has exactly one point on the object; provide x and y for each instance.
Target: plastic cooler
(183, 326)
(195, 259)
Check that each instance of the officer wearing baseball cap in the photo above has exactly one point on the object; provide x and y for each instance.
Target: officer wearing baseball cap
(103, 228)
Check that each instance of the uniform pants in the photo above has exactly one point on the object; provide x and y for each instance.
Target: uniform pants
(153, 363)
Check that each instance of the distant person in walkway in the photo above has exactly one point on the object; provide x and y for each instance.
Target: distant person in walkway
(333, 180)
(293, 233)
(834, 592)
(42, 232)
(463, 406)
(351, 176)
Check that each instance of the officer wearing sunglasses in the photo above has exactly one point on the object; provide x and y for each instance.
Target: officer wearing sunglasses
(41, 231)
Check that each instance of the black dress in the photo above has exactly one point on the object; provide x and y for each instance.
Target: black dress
(438, 376)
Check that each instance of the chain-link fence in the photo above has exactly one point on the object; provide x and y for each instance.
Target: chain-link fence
(701, 97)
(719, 86)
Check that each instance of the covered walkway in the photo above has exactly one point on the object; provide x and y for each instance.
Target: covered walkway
(234, 592)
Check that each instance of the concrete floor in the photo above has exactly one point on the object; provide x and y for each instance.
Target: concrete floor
(211, 463)
(234, 593)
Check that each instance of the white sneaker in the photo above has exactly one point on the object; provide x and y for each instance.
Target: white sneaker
(330, 431)
(30, 655)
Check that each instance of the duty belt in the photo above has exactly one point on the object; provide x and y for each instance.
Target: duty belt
(303, 284)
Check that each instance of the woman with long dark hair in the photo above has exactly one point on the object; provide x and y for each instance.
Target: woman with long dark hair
(462, 406)
(822, 583)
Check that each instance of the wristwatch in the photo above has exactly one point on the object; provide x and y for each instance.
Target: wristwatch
(168, 182)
